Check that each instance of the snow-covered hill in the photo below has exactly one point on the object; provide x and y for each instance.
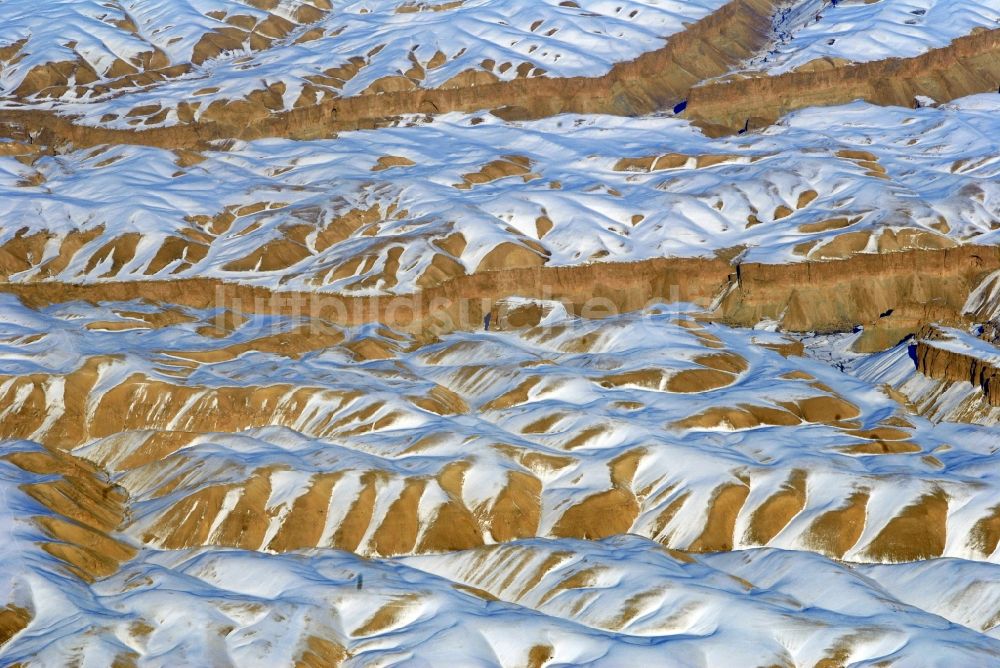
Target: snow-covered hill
(499, 333)
(367, 440)
(531, 602)
(396, 210)
(138, 61)
(817, 34)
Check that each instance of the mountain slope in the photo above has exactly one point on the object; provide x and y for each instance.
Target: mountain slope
(499, 333)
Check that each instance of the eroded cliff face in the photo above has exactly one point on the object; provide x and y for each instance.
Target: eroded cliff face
(593, 290)
(467, 388)
(891, 294)
(968, 65)
(952, 355)
(708, 48)
(69, 510)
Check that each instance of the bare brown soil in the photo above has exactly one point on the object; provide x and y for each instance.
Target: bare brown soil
(87, 511)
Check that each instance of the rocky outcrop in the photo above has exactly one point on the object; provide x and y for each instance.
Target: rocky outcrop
(78, 510)
(863, 289)
(659, 79)
(892, 294)
(708, 48)
(946, 363)
(591, 290)
(968, 65)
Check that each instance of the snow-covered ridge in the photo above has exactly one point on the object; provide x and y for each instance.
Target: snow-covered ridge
(399, 209)
(527, 602)
(813, 34)
(566, 39)
(302, 52)
(414, 395)
(609, 603)
(572, 428)
(136, 65)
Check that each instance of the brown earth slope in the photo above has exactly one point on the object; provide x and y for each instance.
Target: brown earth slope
(708, 48)
(687, 67)
(893, 294)
(968, 65)
(935, 361)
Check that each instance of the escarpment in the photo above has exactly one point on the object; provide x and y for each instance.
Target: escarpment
(892, 293)
(864, 289)
(499, 332)
(969, 65)
(952, 355)
(707, 48)
(593, 290)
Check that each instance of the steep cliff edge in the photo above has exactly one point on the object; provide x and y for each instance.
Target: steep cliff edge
(953, 355)
(893, 293)
(969, 65)
(462, 332)
(941, 373)
(708, 48)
